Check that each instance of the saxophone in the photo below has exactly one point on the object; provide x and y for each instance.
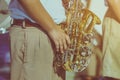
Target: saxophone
(79, 26)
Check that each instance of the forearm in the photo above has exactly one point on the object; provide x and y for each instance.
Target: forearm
(114, 6)
(37, 12)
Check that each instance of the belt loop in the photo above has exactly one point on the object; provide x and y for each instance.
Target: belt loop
(11, 21)
(23, 25)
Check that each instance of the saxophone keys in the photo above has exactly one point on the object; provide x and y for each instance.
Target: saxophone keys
(88, 38)
(85, 51)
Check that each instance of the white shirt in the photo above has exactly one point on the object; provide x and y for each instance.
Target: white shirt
(53, 7)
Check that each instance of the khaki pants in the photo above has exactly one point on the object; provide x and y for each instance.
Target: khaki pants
(31, 55)
(111, 48)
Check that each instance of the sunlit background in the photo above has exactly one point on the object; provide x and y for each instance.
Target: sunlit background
(93, 71)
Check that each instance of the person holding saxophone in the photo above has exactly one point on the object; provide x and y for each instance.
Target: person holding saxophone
(33, 34)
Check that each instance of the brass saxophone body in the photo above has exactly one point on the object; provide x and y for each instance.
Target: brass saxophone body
(79, 26)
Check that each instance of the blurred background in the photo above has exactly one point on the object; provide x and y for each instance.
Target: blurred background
(4, 40)
(93, 71)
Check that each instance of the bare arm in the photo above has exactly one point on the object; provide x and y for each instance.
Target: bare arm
(37, 12)
(114, 5)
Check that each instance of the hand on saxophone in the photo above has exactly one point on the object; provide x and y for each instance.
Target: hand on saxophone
(60, 39)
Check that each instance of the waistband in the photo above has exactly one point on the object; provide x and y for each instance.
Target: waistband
(24, 23)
